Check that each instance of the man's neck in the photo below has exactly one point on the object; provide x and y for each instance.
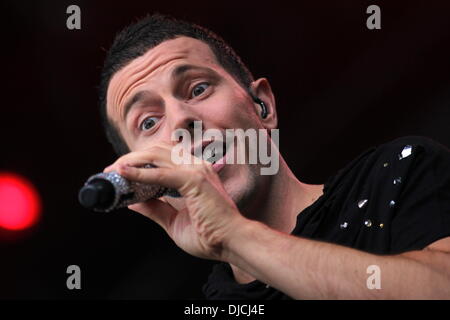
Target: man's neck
(281, 199)
(279, 208)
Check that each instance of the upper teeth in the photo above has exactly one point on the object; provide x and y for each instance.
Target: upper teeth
(215, 154)
(211, 159)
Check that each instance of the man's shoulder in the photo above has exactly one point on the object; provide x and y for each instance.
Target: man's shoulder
(418, 149)
(403, 147)
(402, 184)
(427, 143)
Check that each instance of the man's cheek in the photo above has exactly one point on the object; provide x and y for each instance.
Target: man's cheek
(239, 116)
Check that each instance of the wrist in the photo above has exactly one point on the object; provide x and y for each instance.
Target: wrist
(240, 234)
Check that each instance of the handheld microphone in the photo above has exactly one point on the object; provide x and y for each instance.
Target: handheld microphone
(105, 192)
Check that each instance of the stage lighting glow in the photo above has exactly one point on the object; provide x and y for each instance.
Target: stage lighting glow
(20, 203)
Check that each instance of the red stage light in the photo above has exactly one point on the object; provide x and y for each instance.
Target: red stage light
(20, 203)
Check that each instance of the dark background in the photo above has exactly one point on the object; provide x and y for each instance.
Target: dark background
(340, 89)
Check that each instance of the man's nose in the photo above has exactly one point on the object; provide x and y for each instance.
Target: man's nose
(181, 116)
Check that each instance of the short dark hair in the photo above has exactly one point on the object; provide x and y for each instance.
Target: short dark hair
(136, 39)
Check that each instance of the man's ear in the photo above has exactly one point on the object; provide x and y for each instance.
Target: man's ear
(261, 89)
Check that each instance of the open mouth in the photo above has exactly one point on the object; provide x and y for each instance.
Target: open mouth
(211, 151)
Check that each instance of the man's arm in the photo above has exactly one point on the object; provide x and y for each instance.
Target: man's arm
(308, 269)
(212, 227)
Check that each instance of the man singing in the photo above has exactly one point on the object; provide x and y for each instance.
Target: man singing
(275, 237)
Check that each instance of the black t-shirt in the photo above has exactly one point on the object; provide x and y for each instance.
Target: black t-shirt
(391, 199)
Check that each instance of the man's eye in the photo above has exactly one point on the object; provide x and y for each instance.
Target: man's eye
(148, 123)
(199, 89)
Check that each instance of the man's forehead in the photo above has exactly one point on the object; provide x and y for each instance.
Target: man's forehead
(194, 50)
(171, 49)
(155, 60)
(185, 45)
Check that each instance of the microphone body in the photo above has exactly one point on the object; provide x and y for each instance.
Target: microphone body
(105, 192)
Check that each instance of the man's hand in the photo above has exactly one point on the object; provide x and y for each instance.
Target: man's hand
(210, 216)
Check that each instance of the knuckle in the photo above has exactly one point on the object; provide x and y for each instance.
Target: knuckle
(137, 173)
(121, 160)
(159, 176)
(204, 167)
(207, 166)
(157, 148)
(153, 148)
(199, 176)
(154, 152)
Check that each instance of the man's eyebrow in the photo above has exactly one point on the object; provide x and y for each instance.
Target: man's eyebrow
(182, 69)
(176, 73)
(137, 97)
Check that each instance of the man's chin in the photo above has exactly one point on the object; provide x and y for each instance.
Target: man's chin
(238, 182)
